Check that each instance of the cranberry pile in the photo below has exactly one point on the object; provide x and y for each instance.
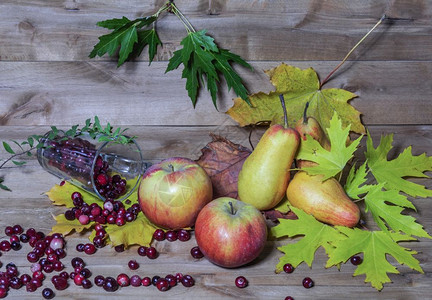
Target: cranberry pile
(74, 158)
(47, 255)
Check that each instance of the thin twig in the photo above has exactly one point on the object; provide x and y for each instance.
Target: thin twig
(351, 51)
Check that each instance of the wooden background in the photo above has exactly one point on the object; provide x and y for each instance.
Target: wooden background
(46, 78)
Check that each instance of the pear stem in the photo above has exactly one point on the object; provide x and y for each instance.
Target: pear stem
(282, 100)
(233, 212)
(304, 113)
(351, 51)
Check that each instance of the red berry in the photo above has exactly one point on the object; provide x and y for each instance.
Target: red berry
(146, 281)
(162, 285)
(89, 249)
(159, 235)
(241, 282)
(76, 195)
(123, 280)
(142, 251)
(187, 281)
(133, 264)
(99, 280)
(308, 282)
(135, 280)
(288, 268)
(289, 298)
(151, 252)
(184, 235)
(78, 279)
(171, 235)
(196, 252)
(356, 260)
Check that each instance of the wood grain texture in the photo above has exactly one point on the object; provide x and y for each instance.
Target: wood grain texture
(47, 78)
(258, 30)
(37, 93)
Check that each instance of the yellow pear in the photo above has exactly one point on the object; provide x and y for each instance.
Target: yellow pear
(265, 174)
(325, 200)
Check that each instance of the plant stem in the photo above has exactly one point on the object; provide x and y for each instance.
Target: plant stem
(182, 17)
(15, 155)
(233, 212)
(304, 113)
(351, 51)
(282, 100)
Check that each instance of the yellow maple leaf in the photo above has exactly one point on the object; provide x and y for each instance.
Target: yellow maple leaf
(298, 87)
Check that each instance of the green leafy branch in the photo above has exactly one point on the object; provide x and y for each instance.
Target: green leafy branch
(201, 58)
(94, 129)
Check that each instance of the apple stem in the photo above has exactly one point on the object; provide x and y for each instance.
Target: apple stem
(304, 113)
(172, 167)
(351, 51)
(233, 212)
(282, 100)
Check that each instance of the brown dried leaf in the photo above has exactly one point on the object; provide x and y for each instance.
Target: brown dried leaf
(223, 160)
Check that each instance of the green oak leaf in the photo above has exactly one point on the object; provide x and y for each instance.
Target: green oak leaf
(386, 208)
(375, 246)
(393, 173)
(315, 234)
(355, 182)
(330, 163)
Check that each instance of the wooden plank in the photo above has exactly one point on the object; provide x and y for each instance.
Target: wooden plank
(64, 93)
(294, 30)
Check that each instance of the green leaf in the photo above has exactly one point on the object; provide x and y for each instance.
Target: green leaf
(315, 234)
(174, 61)
(30, 141)
(392, 173)
(19, 163)
(355, 183)
(150, 38)
(192, 83)
(202, 60)
(8, 148)
(374, 245)
(114, 23)
(330, 163)
(386, 208)
(4, 187)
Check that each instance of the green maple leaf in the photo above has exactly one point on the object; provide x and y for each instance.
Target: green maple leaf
(150, 38)
(330, 163)
(374, 245)
(392, 173)
(203, 61)
(124, 36)
(355, 183)
(315, 234)
(298, 87)
(386, 207)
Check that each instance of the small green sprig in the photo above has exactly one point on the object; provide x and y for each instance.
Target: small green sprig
(202, 60)
(94, 129)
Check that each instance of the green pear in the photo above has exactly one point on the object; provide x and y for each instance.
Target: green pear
(325, 200)
(265, 174)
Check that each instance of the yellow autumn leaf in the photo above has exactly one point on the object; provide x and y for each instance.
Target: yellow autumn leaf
(66, 227)
(298, 87)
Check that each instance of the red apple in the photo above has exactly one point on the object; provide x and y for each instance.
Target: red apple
(173, 191)
(230, 233)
